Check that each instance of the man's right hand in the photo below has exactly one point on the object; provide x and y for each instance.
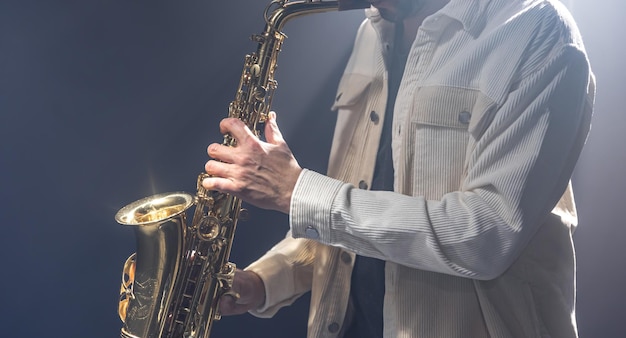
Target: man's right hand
(251, 292)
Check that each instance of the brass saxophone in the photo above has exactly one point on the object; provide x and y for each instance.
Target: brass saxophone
(172, 285)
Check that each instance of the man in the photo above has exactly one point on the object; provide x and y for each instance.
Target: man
(473, 113)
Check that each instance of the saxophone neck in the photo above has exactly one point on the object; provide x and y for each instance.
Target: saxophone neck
(278, 12)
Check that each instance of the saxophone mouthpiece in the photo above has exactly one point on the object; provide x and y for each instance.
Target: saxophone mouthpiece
(345, 5)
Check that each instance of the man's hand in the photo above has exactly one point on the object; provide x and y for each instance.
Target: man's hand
(260, 173)
(251, 292)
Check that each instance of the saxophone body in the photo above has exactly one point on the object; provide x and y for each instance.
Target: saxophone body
(172, 285)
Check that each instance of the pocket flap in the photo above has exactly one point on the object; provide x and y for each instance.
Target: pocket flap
(451, 107)
(351, 88)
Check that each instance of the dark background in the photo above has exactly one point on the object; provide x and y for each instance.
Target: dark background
(106, 101)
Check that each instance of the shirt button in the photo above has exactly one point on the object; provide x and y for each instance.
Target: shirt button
(333, 327)
(363, 185)
(345, 257)
(465, 116)
(374, 117)
(311, 232)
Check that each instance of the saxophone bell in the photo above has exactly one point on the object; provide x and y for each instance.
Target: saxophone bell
(148, 275)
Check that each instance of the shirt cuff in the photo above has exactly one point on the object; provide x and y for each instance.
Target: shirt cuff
(273, 271)
(311, 206)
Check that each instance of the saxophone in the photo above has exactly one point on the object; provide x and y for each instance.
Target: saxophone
(172, 284)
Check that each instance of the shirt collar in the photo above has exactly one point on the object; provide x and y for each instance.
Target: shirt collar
(471, 14)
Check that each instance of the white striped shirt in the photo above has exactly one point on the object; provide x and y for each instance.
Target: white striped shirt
(491, 115)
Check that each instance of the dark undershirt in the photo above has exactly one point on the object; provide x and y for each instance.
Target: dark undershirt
(368, 275)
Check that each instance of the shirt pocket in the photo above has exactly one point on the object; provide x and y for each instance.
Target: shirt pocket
(443, 121)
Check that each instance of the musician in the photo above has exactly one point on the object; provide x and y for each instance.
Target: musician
(446, 210)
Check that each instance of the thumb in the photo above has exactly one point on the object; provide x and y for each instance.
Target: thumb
(227, 305)
(272, 133)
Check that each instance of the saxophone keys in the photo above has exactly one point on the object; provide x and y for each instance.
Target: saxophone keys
(126, 288)
(244, 215)
(209, 228)
(255, 70)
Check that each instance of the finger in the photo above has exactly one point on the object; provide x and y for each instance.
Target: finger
(218, 169)
(227, 305)
(220, 176)
(236, 128)
(221, 153)
(272, 133)
(224, 185)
